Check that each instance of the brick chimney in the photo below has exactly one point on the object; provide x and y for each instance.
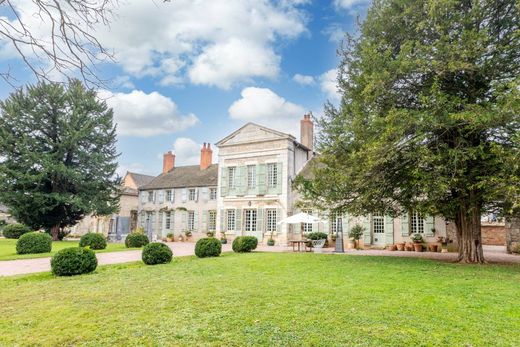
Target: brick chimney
(206, 156)
(168, 162)
(307, 132)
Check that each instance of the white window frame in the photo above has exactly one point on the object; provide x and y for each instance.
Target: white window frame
(213, 193)
(333, 220)
(150, 196)
(271, 217)
(191, 221)
(231, 216)
(232, 172)
(307, 227)
(169, 195)
(168, 220)
(250, 220)
(192, 194)
(251, 176)
(416, 223)
(212, 220)
(272, 175)
(378, 224)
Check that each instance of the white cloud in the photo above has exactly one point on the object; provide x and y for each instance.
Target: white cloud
(348, 4)
(267, 108)
(303, 79)
(187, 152)
(329, 85)
(140, 114)
(334, 32)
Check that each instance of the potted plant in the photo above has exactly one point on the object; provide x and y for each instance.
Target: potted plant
(223, 238)
(392, 248)
(444, 243)
(432, 247)
(417, 240)
(169, 237)
(270, 241)
(408, 247)
(400, 246)
(188, 234)
(210, 233)
(355, 234)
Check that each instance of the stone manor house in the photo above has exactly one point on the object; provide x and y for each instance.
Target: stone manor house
(250, 190)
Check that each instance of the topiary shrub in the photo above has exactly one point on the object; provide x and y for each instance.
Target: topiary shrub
(316, 236)
(136, 240)
(243, 244)
(156, 253)
(73, 261)
(208, 247)
(32, 243)
(15, 230)
(93, 241)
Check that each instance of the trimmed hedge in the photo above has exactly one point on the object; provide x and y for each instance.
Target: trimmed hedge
(243, 244)
(15, 230)
(32, 243)
(156, 253)
(93, 241)
(316, 236)
(136, 240)
(73, 261)
(208, 247)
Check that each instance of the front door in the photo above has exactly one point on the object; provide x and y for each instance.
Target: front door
(378, 229)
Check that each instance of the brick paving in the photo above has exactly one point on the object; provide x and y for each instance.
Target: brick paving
(181, 249)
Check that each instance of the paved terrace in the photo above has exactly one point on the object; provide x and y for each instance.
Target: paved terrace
(493, 254)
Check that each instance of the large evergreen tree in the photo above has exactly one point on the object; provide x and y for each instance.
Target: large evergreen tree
(57, 155)
(429, 118)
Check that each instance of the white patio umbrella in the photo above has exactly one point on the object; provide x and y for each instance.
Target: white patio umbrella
(300, 218)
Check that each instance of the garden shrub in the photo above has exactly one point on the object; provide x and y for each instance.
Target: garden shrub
(32, 243)
(208, 247)
(93, 241)
(156, 253)
(318, 235)
(136, 240)
(244, 244)
(73, 261)
(15, 230)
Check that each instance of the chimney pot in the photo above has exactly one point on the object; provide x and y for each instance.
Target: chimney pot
(307, 132)
(206, 155)
(168, 162)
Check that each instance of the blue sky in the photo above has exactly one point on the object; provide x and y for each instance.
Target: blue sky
(189, 71)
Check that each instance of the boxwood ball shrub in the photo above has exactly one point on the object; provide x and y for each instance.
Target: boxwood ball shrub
(32, 243)
(93, 240)
(208, 247)
(15, 230)
(156, 253)
(73, 261)
(243, 244)
(316, 236)
(136, 240)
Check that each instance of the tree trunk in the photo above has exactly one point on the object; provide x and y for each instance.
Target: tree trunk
(55, 230)
(469, 235)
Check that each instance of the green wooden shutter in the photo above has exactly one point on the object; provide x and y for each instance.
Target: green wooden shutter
(238, 219)
(196, 221)
(429, 224)
(278, 219)
(184, 217)
(261, 184)
(223, 181)
(223, 219)
(260, 220)
(279, 178)
(367, 233)
(204, 221)
(405, 225)
(389, 230)
(240, 180)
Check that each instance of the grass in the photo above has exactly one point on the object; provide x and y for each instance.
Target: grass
(267, 299)
(8, 249)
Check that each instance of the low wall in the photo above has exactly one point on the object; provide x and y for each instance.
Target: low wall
(493, 234)
(512, 234)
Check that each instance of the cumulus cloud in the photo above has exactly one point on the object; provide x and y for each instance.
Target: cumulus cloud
(263, 106)
(140, 114)
(334, 32)
(303, 79)
(329, 85)
(187, 151)
(348, 4)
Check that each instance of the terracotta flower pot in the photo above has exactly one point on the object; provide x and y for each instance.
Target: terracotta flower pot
(392, 248)
(400, 246)
(417, 247)
(432, 248)
(408, 247)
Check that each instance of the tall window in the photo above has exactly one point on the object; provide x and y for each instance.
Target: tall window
(232, 177)
(271, 220)
(251, 176)
(378, 223)
(333, 220)
(191, 220)
(169, 195)
(307, 227)
(417, 223)
(150, 196)
(212, 220)
(231, 220)
(168, 220)
(192, 194)
(213, 193)
(250, 221)
(272, 175)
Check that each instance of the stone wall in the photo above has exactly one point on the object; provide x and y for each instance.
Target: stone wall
(512, 229)
(493, 234)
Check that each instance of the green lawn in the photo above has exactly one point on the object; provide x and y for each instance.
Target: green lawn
(268, 299)
(8, 249)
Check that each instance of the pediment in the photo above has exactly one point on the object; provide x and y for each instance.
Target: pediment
(252, 132)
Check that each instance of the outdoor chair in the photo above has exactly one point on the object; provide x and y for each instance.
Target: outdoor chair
(317, 245)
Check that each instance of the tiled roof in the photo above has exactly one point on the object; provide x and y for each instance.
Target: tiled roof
(185, 176)
(141, 179)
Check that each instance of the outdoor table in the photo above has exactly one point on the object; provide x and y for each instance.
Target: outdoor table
(299, 243)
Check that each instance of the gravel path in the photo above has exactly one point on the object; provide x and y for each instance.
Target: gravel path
(182, 249)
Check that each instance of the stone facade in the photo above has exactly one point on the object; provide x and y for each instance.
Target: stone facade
(493, 234)
(512, 228)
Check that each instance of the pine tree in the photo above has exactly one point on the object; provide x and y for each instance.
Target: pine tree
(429, 118)
(57, 155)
